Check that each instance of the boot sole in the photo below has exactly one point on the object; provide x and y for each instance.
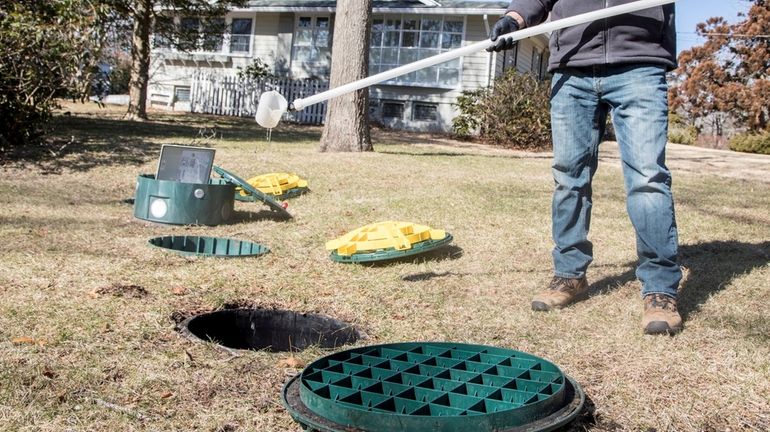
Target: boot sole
(661, 328)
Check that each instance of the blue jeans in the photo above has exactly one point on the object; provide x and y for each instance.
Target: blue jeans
(636, 95)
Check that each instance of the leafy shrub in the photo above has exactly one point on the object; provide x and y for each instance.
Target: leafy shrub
(255, 71)
(467, 123)
(751, 143)
(120, 76)
(47, 50)
(515, 114)
(682, 135)
(680, 132)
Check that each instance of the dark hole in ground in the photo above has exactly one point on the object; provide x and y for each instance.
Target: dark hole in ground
(270, 330)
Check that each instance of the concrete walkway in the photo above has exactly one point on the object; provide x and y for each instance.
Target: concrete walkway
(724, 163)
(679, 158)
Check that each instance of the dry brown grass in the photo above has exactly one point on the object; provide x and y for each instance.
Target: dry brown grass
(100, 359)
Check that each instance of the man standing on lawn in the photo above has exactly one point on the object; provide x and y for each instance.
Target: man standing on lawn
(616, 65)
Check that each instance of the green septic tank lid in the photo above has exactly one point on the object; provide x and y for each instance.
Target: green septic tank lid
(433, 386)
(209, 246)
(392, 253)
(243, 184)
(387, 240)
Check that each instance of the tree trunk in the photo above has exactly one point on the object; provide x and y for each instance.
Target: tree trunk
(140, 61)
(347, 117)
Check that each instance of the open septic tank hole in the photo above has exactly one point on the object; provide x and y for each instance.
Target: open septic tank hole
(269, 330)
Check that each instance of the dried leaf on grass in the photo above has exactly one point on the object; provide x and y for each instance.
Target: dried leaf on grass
(28, 341)
(291, 362)
(166, 395)
(179, 291)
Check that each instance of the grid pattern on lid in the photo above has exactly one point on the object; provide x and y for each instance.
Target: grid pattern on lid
(441, 380)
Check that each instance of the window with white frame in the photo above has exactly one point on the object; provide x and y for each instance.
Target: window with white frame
(164, 26)
(181, 94)
(213, 34)
(189, 34)
(240, 35)
(402, 39)
(312, 41)
(192, 34)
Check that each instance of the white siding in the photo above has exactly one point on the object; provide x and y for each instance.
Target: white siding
(273, 33)
(523, 56)
(265, 45)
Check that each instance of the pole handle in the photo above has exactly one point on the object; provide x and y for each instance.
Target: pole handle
(300, 104)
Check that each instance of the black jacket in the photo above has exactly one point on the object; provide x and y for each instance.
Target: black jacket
(646, 36)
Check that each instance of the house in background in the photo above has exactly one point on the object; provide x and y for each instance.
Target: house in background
(293, 37)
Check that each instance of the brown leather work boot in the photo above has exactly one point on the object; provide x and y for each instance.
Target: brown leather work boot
(560, 293)
(660, 315)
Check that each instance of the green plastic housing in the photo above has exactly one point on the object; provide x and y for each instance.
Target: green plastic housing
(209, 246)
(176, 203)
(447, 387)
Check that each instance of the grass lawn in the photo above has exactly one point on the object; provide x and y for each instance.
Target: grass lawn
(77, 355)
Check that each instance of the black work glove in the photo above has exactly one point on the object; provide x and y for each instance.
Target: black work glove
(504, 25)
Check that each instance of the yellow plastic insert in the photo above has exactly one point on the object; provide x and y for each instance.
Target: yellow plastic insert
(384, 235)
(275, 183)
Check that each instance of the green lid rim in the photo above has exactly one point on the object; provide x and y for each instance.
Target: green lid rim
(557, 415)
(256, 249)
(392, 253)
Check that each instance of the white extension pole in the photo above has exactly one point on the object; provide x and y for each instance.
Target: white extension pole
(478, 46)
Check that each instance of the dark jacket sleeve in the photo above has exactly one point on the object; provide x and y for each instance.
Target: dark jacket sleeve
(534, 12)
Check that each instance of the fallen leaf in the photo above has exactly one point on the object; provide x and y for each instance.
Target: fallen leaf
(166, 395)
(180, 290)
(93, 294)
(291, 362)
(23, 341)
(48, 373)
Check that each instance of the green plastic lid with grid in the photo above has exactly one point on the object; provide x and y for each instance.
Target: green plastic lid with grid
(434, 386)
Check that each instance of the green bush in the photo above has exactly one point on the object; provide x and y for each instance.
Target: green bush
(48, 50)
(120, 76)
(751, 143)
(682, 135)
(467, 123)
(257, 70)
(515, 114)
(679, 132)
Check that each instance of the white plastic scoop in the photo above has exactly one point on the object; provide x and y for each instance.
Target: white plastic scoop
(272, 105)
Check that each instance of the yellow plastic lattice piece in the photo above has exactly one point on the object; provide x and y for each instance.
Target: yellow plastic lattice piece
(275, 183)
(384, 235)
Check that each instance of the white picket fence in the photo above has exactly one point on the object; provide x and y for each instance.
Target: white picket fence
(231, 96)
